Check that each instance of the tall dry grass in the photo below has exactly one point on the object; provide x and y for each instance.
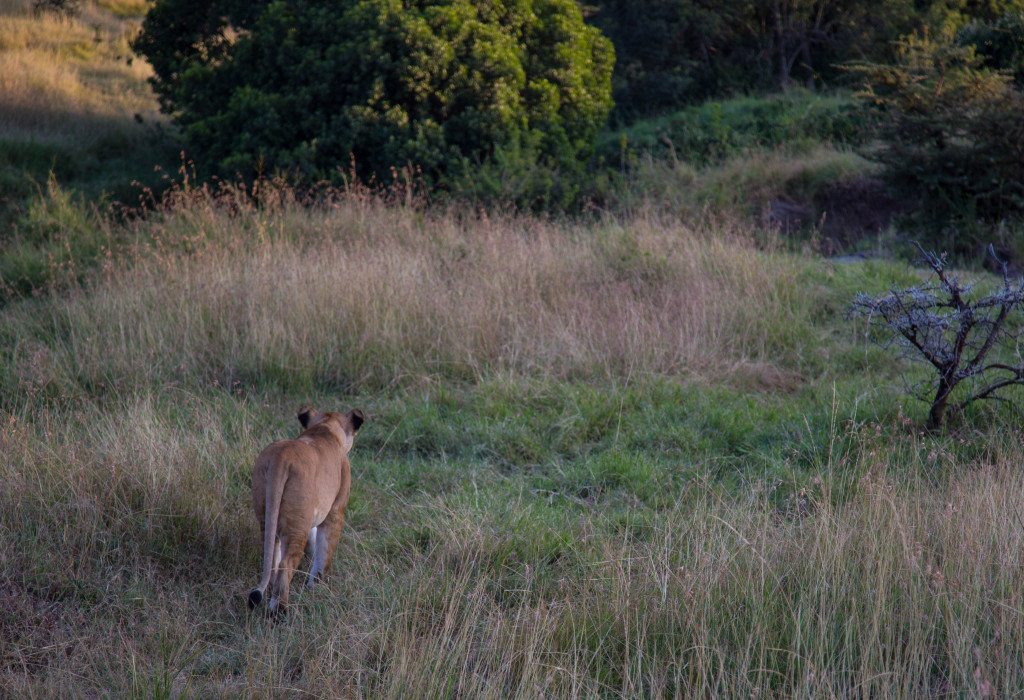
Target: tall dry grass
(355, 294)
(127, 540)
(127, 547)
(70, 82)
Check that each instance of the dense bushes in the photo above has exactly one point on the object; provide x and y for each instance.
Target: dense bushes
(999, 43)
(952, 133)
(443, 86)
(505, 100)
(672, 53)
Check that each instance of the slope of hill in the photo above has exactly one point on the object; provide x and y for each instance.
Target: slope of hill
(76, 108)
(632, 454)
(75, 101)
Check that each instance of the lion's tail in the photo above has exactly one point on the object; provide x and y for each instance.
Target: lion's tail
(275, 489)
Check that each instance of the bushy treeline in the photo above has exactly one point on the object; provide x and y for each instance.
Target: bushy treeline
(674, 52)
(506, 99)
(950, 129)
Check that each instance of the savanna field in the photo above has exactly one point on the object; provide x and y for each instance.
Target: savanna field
(641, 450)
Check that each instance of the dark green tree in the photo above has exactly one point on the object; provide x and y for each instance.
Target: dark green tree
(804, 40)
(999, 43)
(952, 133)
(674, 52)
(310, 86)
(669, 52)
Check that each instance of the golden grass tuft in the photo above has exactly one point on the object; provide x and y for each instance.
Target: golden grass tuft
(360, 295)
(70, 82)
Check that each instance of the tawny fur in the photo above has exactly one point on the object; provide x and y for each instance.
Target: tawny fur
(300, 487)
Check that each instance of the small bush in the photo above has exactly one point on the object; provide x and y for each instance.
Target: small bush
(56, 241)
(955, 331)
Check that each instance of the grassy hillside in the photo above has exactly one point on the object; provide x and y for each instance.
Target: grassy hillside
(716, 130)
(788, 162)
(623, 458)
(76, 108)
(75, 100)
(640, 452)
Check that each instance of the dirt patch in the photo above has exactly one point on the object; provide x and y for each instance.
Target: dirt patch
(843, 214)
(858, 209)
(788, 216)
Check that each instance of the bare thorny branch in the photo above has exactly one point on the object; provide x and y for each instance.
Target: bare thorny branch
(945, 325)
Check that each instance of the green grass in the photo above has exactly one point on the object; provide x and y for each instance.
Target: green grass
(746, 507)
(717, 130)
(743, 187)
(680, 550)
(638, 453)
(741, 159)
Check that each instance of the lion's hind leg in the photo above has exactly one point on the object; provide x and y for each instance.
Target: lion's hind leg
(292, 549)
(327, 537)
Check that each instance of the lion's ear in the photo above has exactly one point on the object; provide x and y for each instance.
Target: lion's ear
(356, 419)
(306, 414)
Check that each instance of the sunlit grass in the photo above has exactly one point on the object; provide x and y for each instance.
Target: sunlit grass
(633, 454)
(69, 81)
(625, 456)
(354, 293)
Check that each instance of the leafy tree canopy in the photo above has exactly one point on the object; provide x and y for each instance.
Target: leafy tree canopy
(673, 52)
(309, 86)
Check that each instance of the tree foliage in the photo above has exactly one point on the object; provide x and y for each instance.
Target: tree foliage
(676, 52)
(999, 43)
(952, 131)
(672, 52)
(310, 86)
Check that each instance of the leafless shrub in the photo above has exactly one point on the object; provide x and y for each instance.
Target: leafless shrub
(947, 325)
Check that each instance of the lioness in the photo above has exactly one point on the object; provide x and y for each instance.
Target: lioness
(300, 490)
